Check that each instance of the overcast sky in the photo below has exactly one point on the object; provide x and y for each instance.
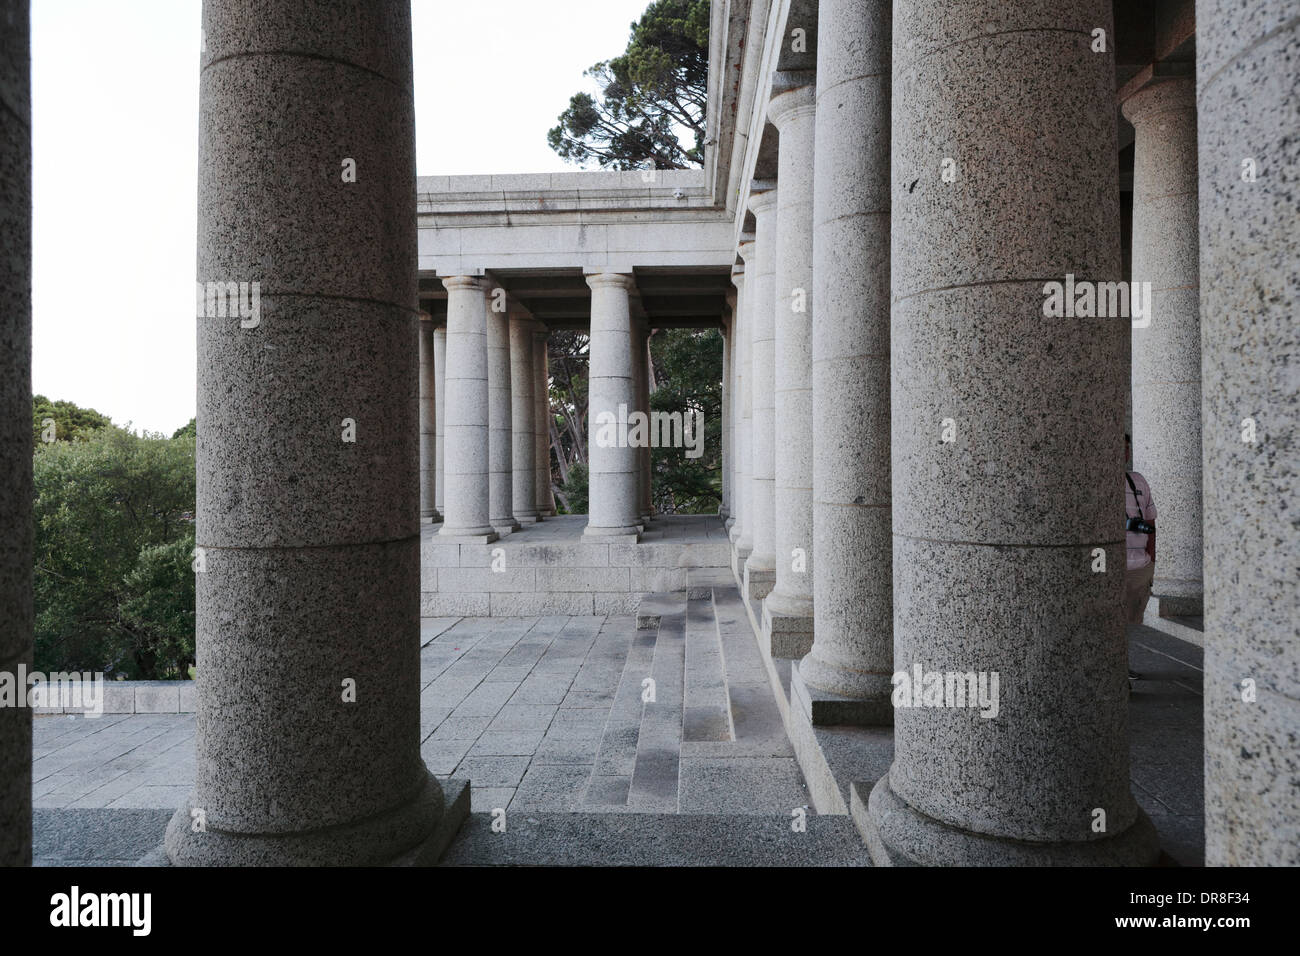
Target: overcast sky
(115, 89)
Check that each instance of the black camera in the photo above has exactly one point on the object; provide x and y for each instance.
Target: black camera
(1140, 526)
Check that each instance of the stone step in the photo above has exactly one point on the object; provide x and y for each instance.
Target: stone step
(700, 582)
(611, 773)
(654, 606)
(706, 711)
(657, 839)
(656, 777)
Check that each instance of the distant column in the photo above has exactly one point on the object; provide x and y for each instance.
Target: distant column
(428, 426)
(742, 533)
(466, 443)
(847, 677)
(1007, 452)
(1167, 349)
(523, 406)
(542, 422)
(307, 606)
(760, 568)
(439, 408)
(16, 621)
(500, 466)
(613, 464)
(728, 336)
(788, 610)
(645, 490)
(1249, 119)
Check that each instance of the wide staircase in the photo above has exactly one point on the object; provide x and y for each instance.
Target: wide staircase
(693, 768)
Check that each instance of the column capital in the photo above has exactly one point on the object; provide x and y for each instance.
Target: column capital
(462, 282)
(624, 279)
(746, 251)
(794, 95)
(1160, 95)
(764, 200)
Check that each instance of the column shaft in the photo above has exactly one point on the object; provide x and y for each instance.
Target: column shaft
(16, 621)
(847, 676)
(645, 460)
(542, 422)
(728, 337)
(523, 406)
(439, 409)
(788, 610)
(1249, 133)
(996, 530)
(760, 567)
(612, 395)
(466, 443)
(308, 599)
(500, 465)
(742, 539)
(1167, 351)
(428, 427)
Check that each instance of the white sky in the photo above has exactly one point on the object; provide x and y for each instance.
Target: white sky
(115, 88)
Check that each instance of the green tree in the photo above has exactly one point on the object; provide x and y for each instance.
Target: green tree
(101, 504)
(71, 421)
(687, 378)
(657, 88)
(191, 429)
(572, 497)
(156, 610)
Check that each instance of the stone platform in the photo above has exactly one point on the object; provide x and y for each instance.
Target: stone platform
(551, 568)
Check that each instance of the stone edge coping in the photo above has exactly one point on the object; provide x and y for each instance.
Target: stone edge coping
(138, 697)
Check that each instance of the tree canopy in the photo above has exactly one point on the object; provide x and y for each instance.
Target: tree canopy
(655, 90)
(71, 421)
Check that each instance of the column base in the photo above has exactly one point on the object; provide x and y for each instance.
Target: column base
(1173, 605)
(414, 834)
(787, 625)
(433, 517)
(898, 835)
(505, 526)
(826, 709)
(524, 519)
(623, 531)
(484, 535)
(760, 578)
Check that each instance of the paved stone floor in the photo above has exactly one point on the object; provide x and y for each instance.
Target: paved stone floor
(546, 716)
(542, 713)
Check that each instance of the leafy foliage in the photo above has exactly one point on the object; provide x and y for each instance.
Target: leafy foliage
(71, 421)
(114, 515)
(688, 375)
(656, 88)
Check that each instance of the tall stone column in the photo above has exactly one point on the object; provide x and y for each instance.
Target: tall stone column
(523, 404)
(788, 610)
(846, 678)
(428, 426)
(742, 538)
(645, 474)
(614, 465)
(308, 592)
(16, 621)
(760, 567)
(728, 337)
(439, 408)
(500, 466)
(542, 422)
(465, 470)
(1007, 447)
(1249, 131)
(1167, 351)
